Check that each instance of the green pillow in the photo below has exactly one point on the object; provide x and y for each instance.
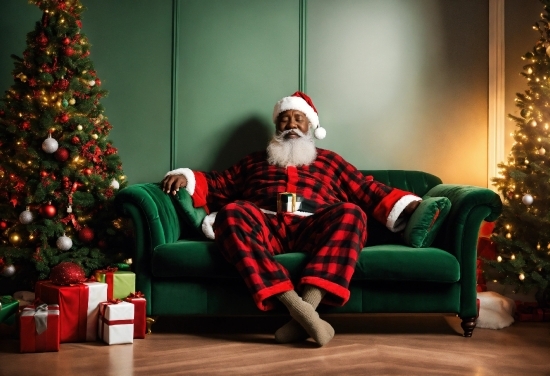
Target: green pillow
(426, 221)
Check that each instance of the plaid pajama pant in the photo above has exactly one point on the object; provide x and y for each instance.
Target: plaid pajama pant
(333, 237)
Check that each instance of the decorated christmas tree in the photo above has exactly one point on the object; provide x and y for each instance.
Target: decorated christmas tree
(58, 169)
(522, 233)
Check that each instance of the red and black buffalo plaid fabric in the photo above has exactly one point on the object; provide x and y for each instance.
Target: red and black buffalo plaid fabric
(342, 198)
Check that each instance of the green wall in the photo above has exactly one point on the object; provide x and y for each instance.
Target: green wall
(398, 83)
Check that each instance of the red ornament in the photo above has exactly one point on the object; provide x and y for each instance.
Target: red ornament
(102, 244)
(64, 118)
(75, 140)
(48, 211)
(61, 154)
(62, 84)
(87, 171)
(43, 174)
(3, 225)
(25, 125)
(68, 51)
(67, 273)
(42, 39)
(66, 41)
(97, 81)
(86, 235)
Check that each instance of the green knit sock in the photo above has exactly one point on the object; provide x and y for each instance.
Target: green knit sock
(304, 313)
(292, 331)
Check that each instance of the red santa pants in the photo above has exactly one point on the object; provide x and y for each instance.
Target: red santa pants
(249, 238)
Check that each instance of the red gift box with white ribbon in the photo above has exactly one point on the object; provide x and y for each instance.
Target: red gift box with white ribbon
(39, 328)
(78, 307)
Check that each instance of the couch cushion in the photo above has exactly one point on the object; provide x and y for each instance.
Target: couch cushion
(186, 258)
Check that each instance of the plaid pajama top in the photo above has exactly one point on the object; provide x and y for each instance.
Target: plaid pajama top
(328, 180)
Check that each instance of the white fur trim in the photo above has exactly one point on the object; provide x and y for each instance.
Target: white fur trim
(296, 103)
(189, 175)
(208, 225)
(495, 311)
(320, 133)
(394, 223)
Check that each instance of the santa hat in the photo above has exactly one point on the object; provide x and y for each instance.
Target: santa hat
(301, 102)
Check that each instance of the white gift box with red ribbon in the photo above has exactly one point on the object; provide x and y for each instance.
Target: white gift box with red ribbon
(116, 322)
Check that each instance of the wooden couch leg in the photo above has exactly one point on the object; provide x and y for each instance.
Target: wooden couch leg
(149, 322)
(468, 324)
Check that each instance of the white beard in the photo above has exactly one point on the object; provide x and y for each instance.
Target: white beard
(284, 152)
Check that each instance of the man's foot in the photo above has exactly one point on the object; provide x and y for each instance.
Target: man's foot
(304, 313)
(292, 331)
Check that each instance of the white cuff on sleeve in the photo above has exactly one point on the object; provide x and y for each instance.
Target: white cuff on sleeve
(394, 223)
(208, 225)
(189, 175)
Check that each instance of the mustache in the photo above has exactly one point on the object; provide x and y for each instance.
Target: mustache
(283, 134)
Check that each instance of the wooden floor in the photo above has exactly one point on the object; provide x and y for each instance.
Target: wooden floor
(363, 345)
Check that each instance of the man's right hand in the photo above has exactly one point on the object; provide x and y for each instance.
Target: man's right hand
(172, 183)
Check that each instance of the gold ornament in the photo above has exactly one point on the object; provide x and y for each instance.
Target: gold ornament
(15, 239)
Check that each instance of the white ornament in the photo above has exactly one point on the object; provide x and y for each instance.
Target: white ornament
(69, 209)
(320, 133)
(95, 136)
(527, 199)
(26, 217)
(50, 145)
(79, 127)
(542, 151)
(64, 243)
(91, 83)
(115, 184)
(8, 270)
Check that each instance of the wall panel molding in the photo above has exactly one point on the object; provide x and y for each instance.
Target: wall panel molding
(174, 84)
(496, 120)
(302, 68)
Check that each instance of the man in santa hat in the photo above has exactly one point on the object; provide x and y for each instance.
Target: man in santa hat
(293, 197)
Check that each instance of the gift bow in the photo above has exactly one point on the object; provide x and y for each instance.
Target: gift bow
(137, 294)
(40, 314)
(115, 301)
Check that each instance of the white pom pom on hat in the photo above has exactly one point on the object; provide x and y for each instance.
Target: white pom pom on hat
(301, 102)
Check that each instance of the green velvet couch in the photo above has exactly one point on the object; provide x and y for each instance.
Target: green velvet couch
(182, 273)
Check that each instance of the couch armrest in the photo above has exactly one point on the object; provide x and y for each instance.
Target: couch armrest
(459, 235)
(155, 222)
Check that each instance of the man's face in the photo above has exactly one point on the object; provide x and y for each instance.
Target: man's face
(292, 119)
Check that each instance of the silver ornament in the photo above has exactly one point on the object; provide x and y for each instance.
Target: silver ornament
(64, 243)
(50, 145)
(26, 217)
(527, 199)
(8, 270)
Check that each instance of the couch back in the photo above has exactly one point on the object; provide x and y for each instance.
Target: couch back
(417, 182)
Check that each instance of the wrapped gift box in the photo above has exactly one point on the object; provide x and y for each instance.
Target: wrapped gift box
(39, 328)
(116, 322)
(120, 283)
(79, 306)
(8, 308)
(140, 313)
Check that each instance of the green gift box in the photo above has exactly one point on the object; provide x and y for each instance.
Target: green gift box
(8, 308)
(120, 284)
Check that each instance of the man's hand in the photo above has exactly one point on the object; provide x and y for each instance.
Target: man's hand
(409, 209)
(172, 183)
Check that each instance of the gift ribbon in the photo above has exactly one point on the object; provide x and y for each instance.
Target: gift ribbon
(136, 295)
(40, 314)
(104, 321)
